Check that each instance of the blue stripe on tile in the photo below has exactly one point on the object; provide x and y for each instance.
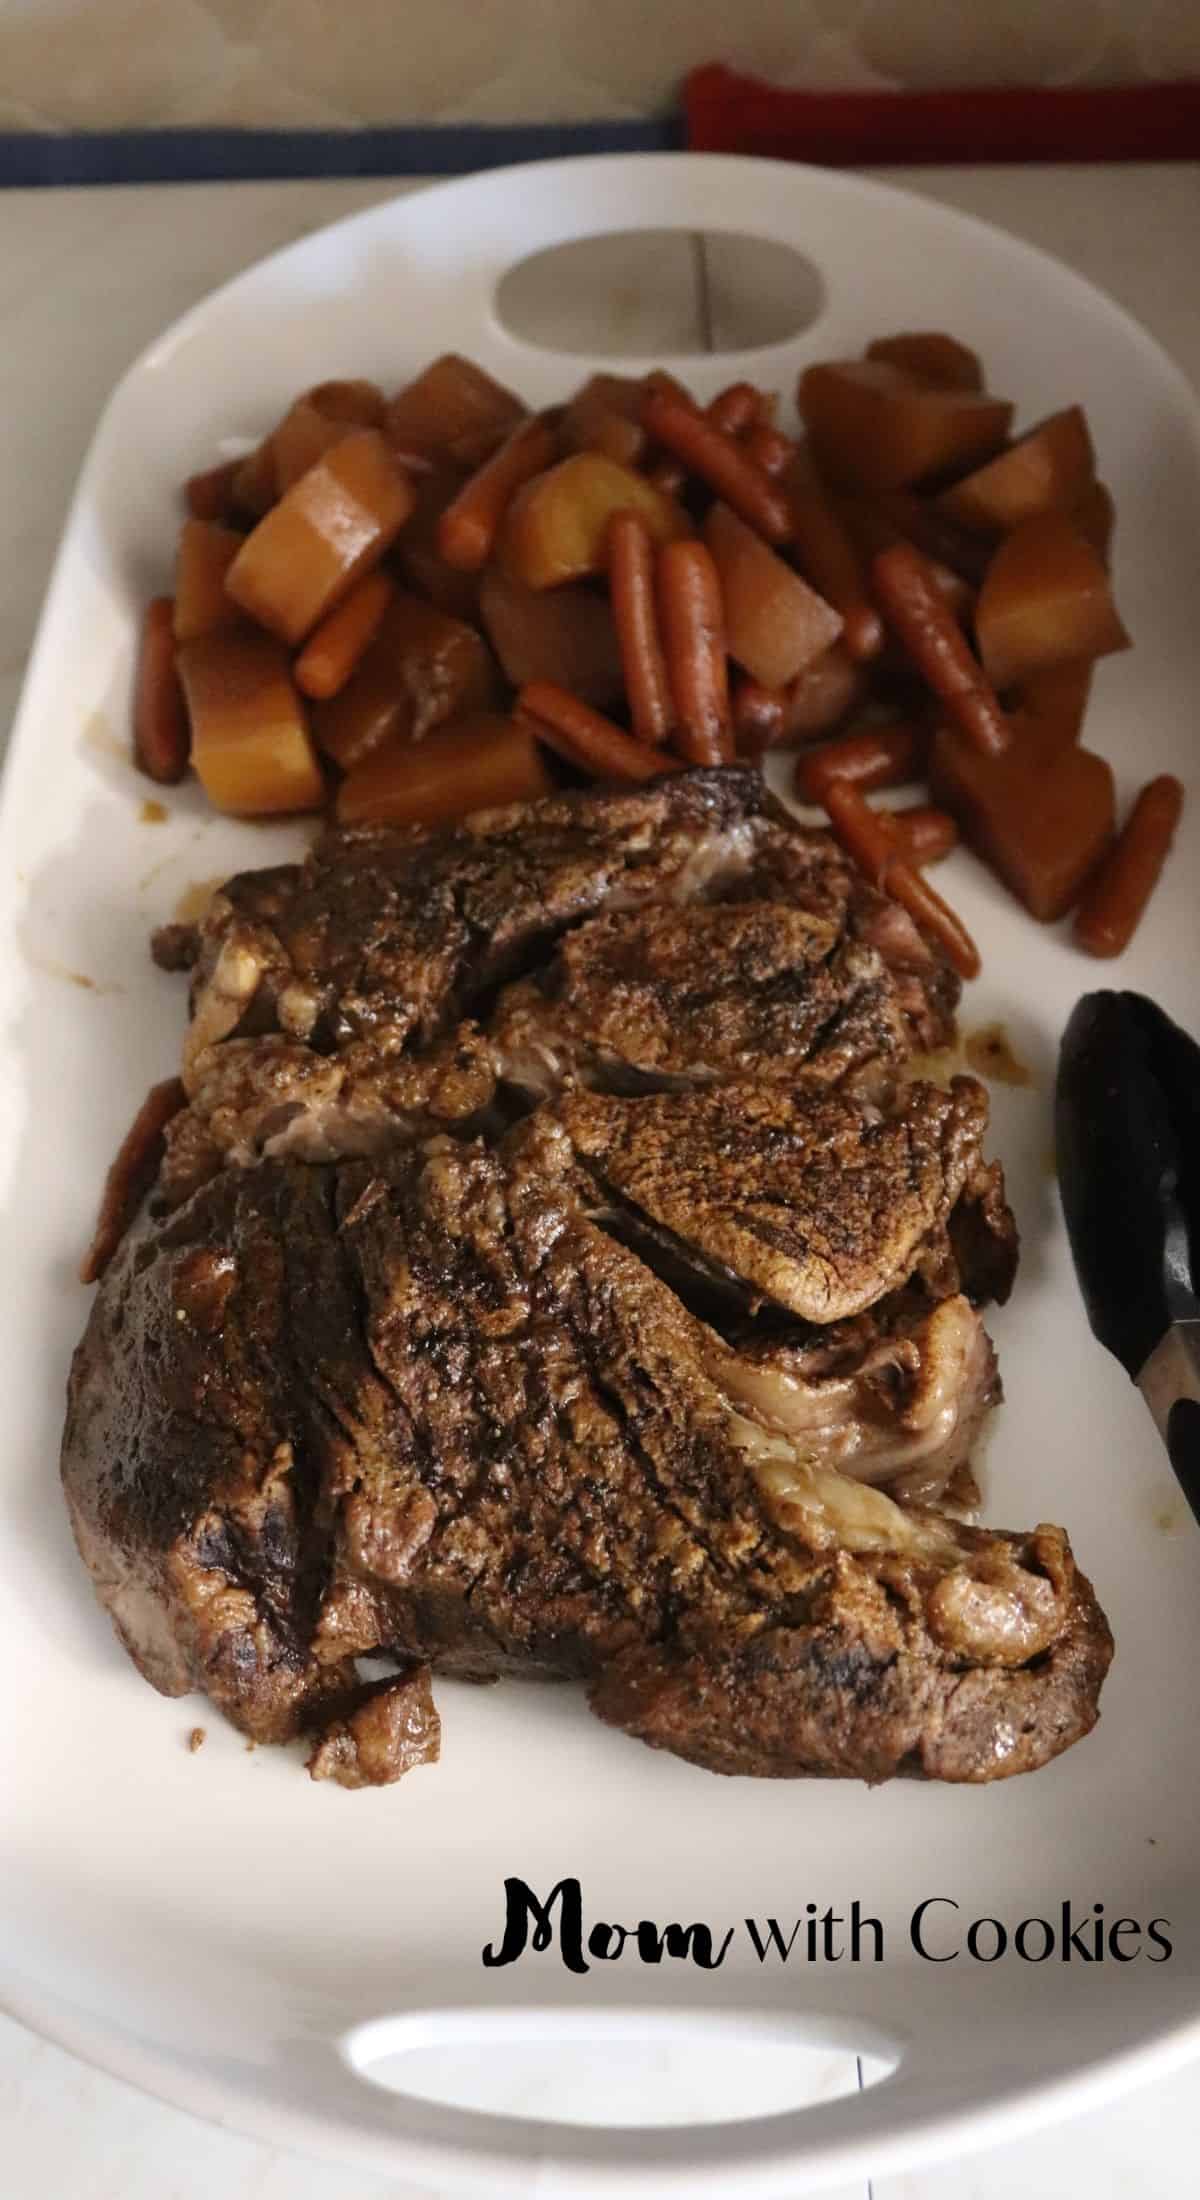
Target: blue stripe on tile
(229, 156)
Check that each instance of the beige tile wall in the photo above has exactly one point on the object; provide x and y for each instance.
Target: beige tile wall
(78, 64)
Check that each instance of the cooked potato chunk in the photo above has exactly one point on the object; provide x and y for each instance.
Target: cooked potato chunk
(416, 552)
(421, 668)
(1045, 600)
(1095, 516)
(302, 437)
(1049, 711)
(202, 605)
(930, 356)
(556, 527)
(358, 402)
(775, 624)
(453, 408)
(1048, 470)
(1041, 824)
(250, 743)
(474, 764)
(312, 424)
(875, 426)
(333, 525)
(561, 634)
(605, 415)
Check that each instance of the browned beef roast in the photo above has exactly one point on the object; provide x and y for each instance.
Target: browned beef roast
(353, 986)
(273, 1096)
(818, 1203)
(624, 1389)
(425, 1405)
(662, 998)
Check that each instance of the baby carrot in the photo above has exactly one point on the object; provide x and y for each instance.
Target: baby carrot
(580, 734)
(925, 625)
(631, 587)
(468, 527)
(333, 649)
(161, 739)
(874, 849)
(692, 621)
(719, 461)
(1114, 903)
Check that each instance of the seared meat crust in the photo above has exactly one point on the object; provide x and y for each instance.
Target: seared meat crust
(385, 948)
(663, 998)
(425, 1405)
(624, 1389)
(816, 1202)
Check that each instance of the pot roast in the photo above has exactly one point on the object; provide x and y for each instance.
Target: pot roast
(558, 1269)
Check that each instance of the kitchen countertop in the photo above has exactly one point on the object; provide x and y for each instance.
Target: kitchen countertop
(87, 278)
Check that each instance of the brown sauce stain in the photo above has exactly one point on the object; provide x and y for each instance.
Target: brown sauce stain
(98, 734)
(52, 969)
(194, 900)
(153, 813)
(990, 1054)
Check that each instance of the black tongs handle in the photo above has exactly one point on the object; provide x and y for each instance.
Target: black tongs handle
(1183, 1449)
(1127, 1116)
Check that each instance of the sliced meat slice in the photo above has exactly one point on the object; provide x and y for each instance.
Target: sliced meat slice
(394, 933)
(256, 1098)
(432, 1410)
(326, 996)
(819, 1203)
(386, 938)
(667, 997)
(788, 868)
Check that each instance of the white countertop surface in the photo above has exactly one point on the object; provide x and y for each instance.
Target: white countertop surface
(87, 277)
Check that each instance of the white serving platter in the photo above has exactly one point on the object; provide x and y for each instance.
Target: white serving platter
(266, 1952)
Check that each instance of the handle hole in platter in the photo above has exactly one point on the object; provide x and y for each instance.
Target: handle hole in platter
(624, 2069)
(652, 293)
